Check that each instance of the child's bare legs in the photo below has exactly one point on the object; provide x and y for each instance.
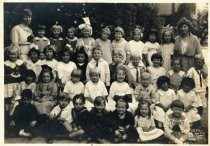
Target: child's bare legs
(76, 133)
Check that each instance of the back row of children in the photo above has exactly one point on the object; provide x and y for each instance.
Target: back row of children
(121, 70)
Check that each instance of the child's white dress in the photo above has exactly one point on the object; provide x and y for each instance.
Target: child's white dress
(165, 98)
(137, 48)
(152, 48)
(147, 122)
(190, 98)
(92, 90)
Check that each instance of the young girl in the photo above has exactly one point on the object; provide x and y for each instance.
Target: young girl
(189, 98)
(176, 75)
(86, 40)
(105, 44)
(120, 88)
(81, 63)
(41, 40)
(50, 60)
(144, 123)
(65, 67)
(94, 88)
(71, 39)
(167, 47)
(176, 125)
(101, 65)
(74, 86)
(56, 40)
(81, 117)
(34, 63)
(156, 70)
(46, 91)
(121, 44)
(145, 90)
(152, 45)
(200, 77)
(124, 121)
(13, 75)
(137, 47)
(164, 97)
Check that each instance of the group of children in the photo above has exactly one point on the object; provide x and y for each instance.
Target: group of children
(102, 91)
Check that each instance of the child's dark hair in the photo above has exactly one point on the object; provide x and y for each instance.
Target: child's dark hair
(62, 51)
(33, 50)
(74, 29)
(44, 70)
(172, 37)
(142, 102)
(161, 80)
(122, 100)
(50, 47)
(62, 97)
(78, 96)
(178, 104)
(26, 94)
(31, 73)
(157, 56)
(99, 99)
(174, 59)
(41, 27)
(81, 51)
(155, 32)
(187, 81)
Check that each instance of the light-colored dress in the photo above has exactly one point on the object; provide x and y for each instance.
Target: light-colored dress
(167, 50)
(145, 123)
(152, 48)
(19, 35)
(92, 90)
(36, 67)
(137, 48)
(41, 42)
(188, 99)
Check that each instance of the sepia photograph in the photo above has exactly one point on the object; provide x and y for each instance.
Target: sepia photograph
(105, 73)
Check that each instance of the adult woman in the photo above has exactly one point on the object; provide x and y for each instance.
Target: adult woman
(21, 34)
(186, 44)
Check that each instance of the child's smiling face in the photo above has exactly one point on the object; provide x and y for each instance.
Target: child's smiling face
(137, 35)
(41, 33)
(176, 65)
(100, 107)
(97, 54)
(164, 86)
(121, 107)
(118, 36)
(94, 77)
(86, 32)
(13, 55)
(70, 33)
(56, 32)
(156, 62)
(144, 110)
(33, 56)
(145, 81)
(104, 36)
(78, 105)
(66, 57)
(120, 76)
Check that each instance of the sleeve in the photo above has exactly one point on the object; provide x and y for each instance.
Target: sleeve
(197, 46)
(135, 121)
(127, 48)
(107, 74)
(186, 126)
(88, 72)
(54, 91)
(112, 91)
(157, 98)
(15, 35)
(136, 92)
(152, 122)
(145, 49)
(166, 125)
(86, 92)
(65, 90)
(153, 95)
(127, 89)
(195, 102)
(33, 87)
(105, 93)
(38, 90)
(190, 73)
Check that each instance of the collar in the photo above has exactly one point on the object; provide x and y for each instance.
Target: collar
(161, 92)
(38, 38)
(60, 39)
(11, 64)
(100, 60)
(130, 65)
(74, 39)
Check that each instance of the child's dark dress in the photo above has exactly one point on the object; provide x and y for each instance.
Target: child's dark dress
(83, 69)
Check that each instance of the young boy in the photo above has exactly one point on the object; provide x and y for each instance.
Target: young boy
(25, 116)
(94, 88)
(176, 125)
(101, 64)
(136, 68)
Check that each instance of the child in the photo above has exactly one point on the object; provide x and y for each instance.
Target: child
(25, 116)
(101, 64)
(137, 47)
(81, 63)
(176, 75)
(60, 119)
(145, 91)
(74, 86)
(121, 44)
(167, 47)
(176, 125)
(56, 40)
(200, 77)
(144, 123)
(94, 88)
(120, 88)
(156, 70)
(164, 97)
(136, 68)
(124, 121)
(41, 40)
(33, 62)
(80, 116)
(152, 45)
(65, 67)
(101, 122)
(50, 60)
(46, 91)
(105, 44)
(189, 98)
(86, 40)
(13, 75)
(71, 39)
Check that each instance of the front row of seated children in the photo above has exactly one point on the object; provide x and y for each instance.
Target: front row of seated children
(98, 124)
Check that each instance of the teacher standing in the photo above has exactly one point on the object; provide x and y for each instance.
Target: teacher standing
(21, 34)
(187, 45)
